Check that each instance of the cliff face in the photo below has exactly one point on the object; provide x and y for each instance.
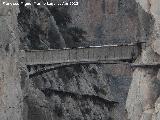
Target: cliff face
(112, 21)
(80, 92)
(11, 105)
(144, 91)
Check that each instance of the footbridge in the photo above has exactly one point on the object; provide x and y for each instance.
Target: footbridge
(39, 61)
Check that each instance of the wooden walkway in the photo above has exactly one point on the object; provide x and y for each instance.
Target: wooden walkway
(82, 55)
(40, 61)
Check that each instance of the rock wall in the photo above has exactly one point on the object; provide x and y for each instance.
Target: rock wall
(143, 97)
(112, 21)
(11, 100)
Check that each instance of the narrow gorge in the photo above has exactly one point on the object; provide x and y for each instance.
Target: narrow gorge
(125, 90)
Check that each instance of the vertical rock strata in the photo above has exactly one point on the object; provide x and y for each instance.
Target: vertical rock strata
(143, 96)
(10, 89)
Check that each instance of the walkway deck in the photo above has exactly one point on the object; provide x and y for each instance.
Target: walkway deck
(82, 55)
(51, 59)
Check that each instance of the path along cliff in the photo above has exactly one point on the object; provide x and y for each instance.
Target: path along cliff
(80, 92)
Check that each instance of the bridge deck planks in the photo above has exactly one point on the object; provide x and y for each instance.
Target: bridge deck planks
(92, 54)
